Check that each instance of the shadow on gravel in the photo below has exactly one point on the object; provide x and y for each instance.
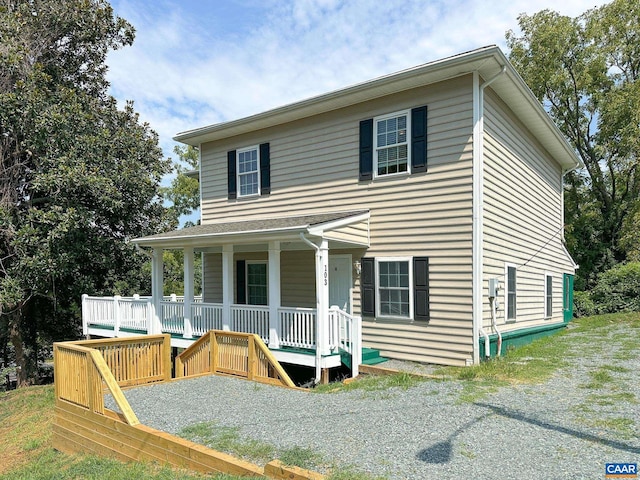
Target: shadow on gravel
(558, 428)
(442, 452)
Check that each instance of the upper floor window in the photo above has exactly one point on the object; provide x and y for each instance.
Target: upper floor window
(248, 172)
(391, 143)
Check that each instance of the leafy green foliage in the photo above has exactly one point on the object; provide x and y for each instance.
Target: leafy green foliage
(184, 192)
(618, 289)
(585, 72)
(80, 176)
(583, 306)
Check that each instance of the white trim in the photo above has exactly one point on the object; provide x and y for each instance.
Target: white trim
(400, 113)
(319, 229)
(409, 261)
(350, 258)
(246, 279)
(548, 314)
(245, 150)
(476, 244)
(506, 293)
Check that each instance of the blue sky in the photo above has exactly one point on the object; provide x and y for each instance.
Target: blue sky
(201, 62)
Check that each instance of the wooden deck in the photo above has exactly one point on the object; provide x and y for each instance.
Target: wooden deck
(85, 370)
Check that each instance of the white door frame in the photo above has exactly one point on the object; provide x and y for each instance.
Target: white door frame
(349, 257)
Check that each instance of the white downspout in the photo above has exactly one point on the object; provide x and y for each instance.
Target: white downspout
(318, 354)
(478, 206)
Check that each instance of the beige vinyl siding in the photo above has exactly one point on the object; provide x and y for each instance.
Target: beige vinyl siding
(522, 218)
(212, 277)
(314, 168)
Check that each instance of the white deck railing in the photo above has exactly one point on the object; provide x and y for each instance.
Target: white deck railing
(296, 327)
(205, 317)
(346, 331)
(250, 319)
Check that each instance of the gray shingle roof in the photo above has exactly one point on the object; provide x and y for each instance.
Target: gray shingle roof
(250, 226)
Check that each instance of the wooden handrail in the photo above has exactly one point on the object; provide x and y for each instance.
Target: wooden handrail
(89, 393)
(223, 358)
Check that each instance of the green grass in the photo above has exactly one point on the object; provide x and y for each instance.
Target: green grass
(373, 383)
(227, 439)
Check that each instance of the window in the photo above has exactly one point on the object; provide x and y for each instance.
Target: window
(548, 296)
(394, 292)
(511, 292)
(391, 143)
(257, 283)
(248, 172)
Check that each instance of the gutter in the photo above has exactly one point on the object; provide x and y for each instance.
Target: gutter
(478, 205)
(318, 356)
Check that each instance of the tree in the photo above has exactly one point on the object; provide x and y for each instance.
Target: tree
(585, 71)
(79, 175)
(184, 192)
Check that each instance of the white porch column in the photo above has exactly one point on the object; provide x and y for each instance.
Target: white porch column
(188, 291)
(322, 286)
(227, 285)
(274, 294)
(157, 287)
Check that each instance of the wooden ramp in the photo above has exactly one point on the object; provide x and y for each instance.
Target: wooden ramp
(85, 370)
(232, 353)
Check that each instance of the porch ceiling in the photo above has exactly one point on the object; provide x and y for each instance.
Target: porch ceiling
(348, 229)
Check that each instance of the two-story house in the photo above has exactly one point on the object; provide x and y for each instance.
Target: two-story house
(428, 202)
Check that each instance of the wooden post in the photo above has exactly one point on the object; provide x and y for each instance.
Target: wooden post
(166, 357)
(251, 357)
(90, 383)
(324, 378)
(213, 351)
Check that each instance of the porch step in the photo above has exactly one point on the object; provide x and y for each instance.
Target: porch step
(370, 356)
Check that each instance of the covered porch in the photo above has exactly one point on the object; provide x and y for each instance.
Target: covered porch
(313, 326)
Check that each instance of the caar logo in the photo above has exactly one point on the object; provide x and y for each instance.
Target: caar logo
(621, 470)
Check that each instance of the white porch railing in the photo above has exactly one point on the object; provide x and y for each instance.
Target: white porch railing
(172, 317)
(296, 327)
(205, 317)
(117, 313)
(346, 331)
(250, 319)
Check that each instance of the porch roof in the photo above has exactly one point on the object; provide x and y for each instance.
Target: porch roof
(342, 229)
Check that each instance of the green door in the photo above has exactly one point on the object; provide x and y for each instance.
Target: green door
(567, 296)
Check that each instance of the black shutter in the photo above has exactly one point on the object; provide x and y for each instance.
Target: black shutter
(368, 287)
(265, 169)
(366, 149)
(421, 288)
(241, 283)
(231, 174)
(419, 139)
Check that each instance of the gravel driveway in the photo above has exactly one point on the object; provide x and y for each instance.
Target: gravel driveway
(565, 428)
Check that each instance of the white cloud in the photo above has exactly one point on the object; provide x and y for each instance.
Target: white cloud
(196, 63)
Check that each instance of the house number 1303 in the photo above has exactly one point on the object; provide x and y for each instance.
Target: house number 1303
(326, 275)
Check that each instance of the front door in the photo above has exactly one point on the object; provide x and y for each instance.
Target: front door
(340, 281)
